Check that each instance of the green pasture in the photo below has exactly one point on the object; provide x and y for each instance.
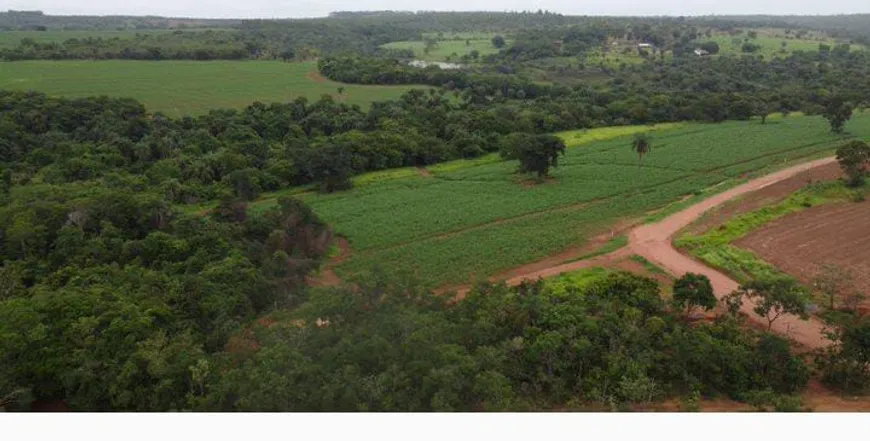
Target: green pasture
(187, 87)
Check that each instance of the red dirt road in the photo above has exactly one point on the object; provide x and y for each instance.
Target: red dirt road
(653, 241)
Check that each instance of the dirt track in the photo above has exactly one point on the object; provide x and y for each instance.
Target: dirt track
(653, 241)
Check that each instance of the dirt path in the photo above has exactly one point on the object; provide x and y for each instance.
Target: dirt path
(653, 241)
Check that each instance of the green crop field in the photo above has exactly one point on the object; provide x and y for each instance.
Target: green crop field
(476, 218)
(446, 48)
(187, 87)
(9, 39)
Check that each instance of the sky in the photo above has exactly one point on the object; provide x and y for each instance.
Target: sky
(319, 8)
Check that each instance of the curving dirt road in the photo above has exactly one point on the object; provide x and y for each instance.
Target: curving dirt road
(653, 241)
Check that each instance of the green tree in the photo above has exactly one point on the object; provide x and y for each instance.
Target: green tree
(692, 291)
(775, 297)
(498, 41)
(854, 158)
(837, 111)
(711, 47)
(642, 144)
(536, 153)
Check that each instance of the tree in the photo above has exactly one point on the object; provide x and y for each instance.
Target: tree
(854, 158)
(837, 111)
(831, 281)
(498, 41)
(775, 297)
(536, 153)
(642, 144)
(711, 47)
(692, 291)
(330, 166)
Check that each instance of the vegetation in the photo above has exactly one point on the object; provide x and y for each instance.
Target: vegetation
(854, 158)
(775, 297)
(693, 291)
(605, 341)
(181, 88)
(536, 153)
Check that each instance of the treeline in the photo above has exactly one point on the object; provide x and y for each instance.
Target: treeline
(685, 89)
(178, 45)
(38, 21)
(482, 86)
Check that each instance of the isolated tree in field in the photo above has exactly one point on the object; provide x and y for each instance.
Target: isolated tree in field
(776, 297)
(711, 47)
(837, 111)
(831, 281)
(692, 291)
(536, 153)
(763, 107)
(854, 158)
(642, 145)
(498, 41)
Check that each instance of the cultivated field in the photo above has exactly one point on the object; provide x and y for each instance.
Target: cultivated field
(801, 243)
(187, 87)
(477, 218)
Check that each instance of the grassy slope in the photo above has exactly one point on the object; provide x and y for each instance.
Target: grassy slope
(186, 87)
(476, 219)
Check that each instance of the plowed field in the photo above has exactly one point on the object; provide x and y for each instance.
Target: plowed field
(830, 234)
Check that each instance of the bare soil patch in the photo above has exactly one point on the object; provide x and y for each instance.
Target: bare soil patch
(769, 195)
(316, 77)
(800, 243)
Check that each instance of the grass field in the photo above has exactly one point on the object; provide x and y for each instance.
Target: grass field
(187, 87)
(9, 39)
(478, 219)
(446, 48)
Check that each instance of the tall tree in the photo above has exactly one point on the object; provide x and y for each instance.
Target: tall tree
(837, 111)
(692, 291)
(775, 297)
(854, 158)
(642, 144)
(536, 153)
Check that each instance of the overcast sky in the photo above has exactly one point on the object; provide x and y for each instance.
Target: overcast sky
(315, 8)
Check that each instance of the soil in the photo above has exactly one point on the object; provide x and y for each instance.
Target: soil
(316, 77)
(801, 243)
(327, 276)
(769, 195)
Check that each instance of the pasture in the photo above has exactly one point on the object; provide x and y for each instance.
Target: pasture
(179, 88)
(456, 223)
(447, 49)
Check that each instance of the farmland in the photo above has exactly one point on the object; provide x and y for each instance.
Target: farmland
(424, 223)
(187, 87)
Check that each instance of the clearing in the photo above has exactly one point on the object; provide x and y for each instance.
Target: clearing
(179, 88)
